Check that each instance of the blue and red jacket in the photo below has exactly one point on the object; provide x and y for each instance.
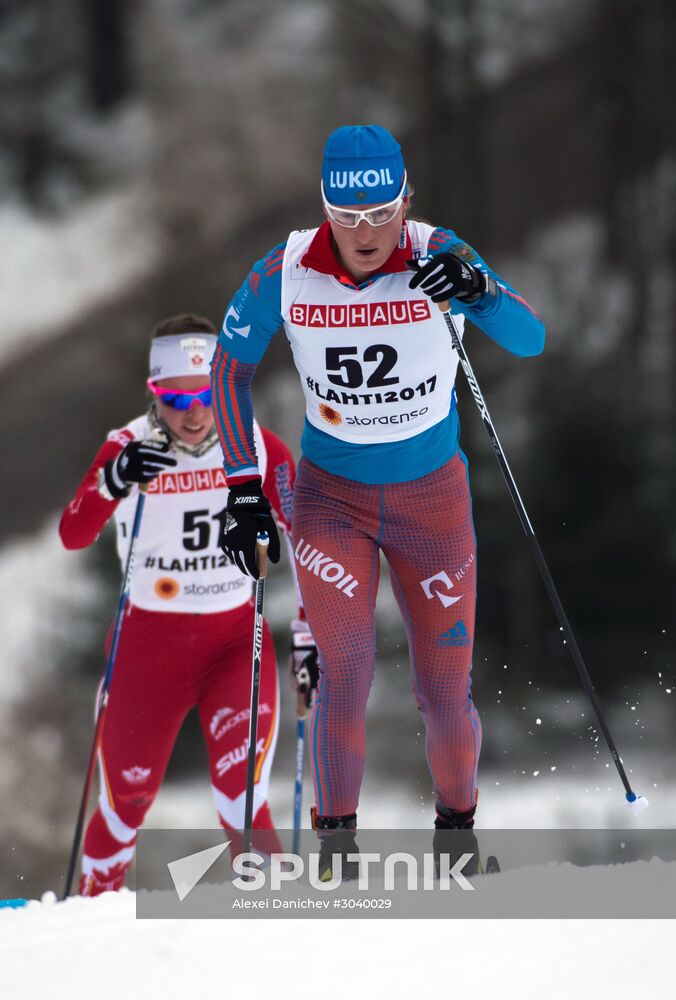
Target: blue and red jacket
(254, 315)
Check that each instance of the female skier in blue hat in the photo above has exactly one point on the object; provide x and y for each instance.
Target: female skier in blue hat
(381, 469)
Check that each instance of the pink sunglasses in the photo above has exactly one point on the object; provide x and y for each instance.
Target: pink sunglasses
(178, 399)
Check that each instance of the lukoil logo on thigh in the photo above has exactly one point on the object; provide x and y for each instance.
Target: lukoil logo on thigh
(325, 567)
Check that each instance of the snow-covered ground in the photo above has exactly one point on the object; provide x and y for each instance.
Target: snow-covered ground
(84, 949)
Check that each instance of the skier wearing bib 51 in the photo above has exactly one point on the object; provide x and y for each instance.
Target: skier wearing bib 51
(186, 637)
(381, 469)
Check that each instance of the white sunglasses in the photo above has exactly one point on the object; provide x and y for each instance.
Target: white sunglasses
(350, 218)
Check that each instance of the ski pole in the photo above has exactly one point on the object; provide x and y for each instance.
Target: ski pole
(103, 693)
(262, 542)
(637, 802)
(301, 713)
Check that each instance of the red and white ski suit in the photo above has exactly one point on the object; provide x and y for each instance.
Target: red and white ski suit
(186, 641)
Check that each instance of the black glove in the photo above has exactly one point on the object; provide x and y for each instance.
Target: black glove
(303, 660)
(446, 276)
(139, 462)
(247, 513)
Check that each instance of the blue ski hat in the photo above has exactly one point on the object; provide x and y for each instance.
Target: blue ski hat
(362, 165)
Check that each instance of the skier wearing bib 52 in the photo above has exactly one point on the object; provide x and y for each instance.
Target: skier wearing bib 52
(186, 637)
(381, 467)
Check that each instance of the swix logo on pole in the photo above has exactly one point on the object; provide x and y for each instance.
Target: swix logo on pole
(258, 635)
(445, 582)
(325, 568)
(476, 392)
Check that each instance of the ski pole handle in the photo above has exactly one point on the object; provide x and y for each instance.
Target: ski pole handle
(262, 543)
(155, 435)
(301, 706)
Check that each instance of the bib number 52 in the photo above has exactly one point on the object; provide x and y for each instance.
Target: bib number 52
(345, 370)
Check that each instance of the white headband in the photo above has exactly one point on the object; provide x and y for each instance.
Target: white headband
(181, 354)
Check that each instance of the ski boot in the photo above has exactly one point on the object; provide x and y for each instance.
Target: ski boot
(461, 841)
(336, 834)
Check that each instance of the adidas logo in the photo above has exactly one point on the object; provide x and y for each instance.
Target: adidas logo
(455, 636)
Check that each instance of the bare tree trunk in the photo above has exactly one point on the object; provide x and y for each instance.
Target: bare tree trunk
(450, 178)
(108, 68)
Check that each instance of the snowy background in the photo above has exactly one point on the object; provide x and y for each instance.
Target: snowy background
(154, 149)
